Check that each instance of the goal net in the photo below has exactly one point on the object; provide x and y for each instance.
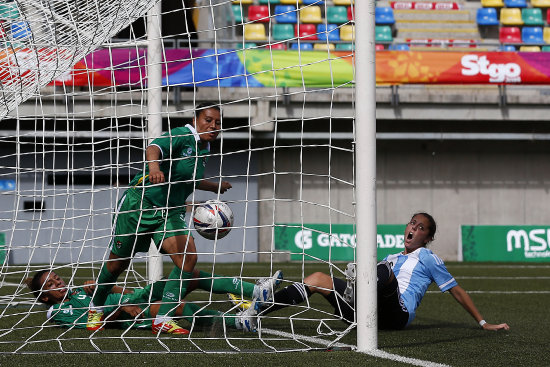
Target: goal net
(79, 80)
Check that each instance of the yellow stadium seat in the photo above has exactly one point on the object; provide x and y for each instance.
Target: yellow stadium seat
(546, 34)
(492, 3)
(291, 2)
(311, 14)
(529, 49)
(254, 32)
(540, 3)
(347, 33)
(323, 46)
(244, 2)
(511, 16)
(342, 2)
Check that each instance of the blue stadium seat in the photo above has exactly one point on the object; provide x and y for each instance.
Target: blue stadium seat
(399, 47)
(384, 15)
(328, 32)
(286, 14)
(515, 3)
(487, 16)
(532, 35)
(313, 2)
(507, 48)
(20, 30)
(302, 46)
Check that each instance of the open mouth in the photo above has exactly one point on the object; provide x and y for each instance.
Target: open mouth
(410, 236)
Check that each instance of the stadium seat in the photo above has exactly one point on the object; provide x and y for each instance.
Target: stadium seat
(244, 2)
(492, 3)
(237, 13)
(510, 16)
(507, 48)
(546, 34)
(323, 46)
(337, 14)
(20, 30)
(291, 2)
(342, 2)
(277, 46)
(540, 3)
(509, 35)
(283, 32)
(487, 16)
(545, 49)
(532, 35)
(302, 46)
(532, 16)
(345, 47)
(258, 13)
(378, 47)
(350, 13)
(286, 14)
(399, 47)
(529, 49)
(269, 2)
(382, 33)
(313, 2)
(254, 32)
(306, 31)
(383, 15)
(347, 33)
(328, 32)
(515, 3)
(311, 14)
(246, 45)
(9, 11)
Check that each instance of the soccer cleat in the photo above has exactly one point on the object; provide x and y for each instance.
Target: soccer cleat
(95, 320)
(168, 327)
(247, 320)
(349, 292)
(239, 302)
(264, 288)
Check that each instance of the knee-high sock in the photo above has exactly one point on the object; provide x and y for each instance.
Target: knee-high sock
(174, 290)
(218, 284)
(105, 283)
(191, 311)
(291, 295)
(152, 292)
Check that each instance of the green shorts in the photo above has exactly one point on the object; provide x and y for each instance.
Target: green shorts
(137, 222)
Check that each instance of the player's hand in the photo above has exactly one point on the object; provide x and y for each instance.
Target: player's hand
(89, 287)
(156, 177)
(133, 310)
(224, 186)
(496, 327)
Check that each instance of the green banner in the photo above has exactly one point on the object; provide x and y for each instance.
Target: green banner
(335, 242)
(506, 243)
(2, 248)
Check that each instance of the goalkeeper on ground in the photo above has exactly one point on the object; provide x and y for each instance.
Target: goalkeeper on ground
(127, 307)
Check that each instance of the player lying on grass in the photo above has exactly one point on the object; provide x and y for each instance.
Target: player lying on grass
(137, 307)
(403, 279)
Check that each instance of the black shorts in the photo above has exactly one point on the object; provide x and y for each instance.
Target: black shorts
(344, 310)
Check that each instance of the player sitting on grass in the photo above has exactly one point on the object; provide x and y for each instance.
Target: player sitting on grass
(137, 307)
(403, 279)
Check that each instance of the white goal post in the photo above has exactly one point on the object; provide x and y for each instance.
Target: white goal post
(86, 85)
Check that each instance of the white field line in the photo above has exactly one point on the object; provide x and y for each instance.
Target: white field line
(376, 353)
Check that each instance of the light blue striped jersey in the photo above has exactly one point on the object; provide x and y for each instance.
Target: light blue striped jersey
(415, 272)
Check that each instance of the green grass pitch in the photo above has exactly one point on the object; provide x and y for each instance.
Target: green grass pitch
(443, 333)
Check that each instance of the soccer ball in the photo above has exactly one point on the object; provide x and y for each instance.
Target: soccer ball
(213, 218)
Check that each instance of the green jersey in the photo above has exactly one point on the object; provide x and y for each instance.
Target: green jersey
(182, 162)
(74, 311)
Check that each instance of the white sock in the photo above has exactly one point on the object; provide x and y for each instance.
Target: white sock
(162, 319)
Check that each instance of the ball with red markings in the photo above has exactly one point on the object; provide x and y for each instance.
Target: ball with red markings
(213, 219)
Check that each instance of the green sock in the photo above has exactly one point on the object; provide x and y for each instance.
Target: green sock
(105, 283)
(218, 284)
(174, 290)
(191, 311)
(154, 291)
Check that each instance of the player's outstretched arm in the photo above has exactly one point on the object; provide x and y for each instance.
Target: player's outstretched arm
(465, 301)
(214, 186)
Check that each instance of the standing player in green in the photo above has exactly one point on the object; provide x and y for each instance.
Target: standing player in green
(153, 208)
